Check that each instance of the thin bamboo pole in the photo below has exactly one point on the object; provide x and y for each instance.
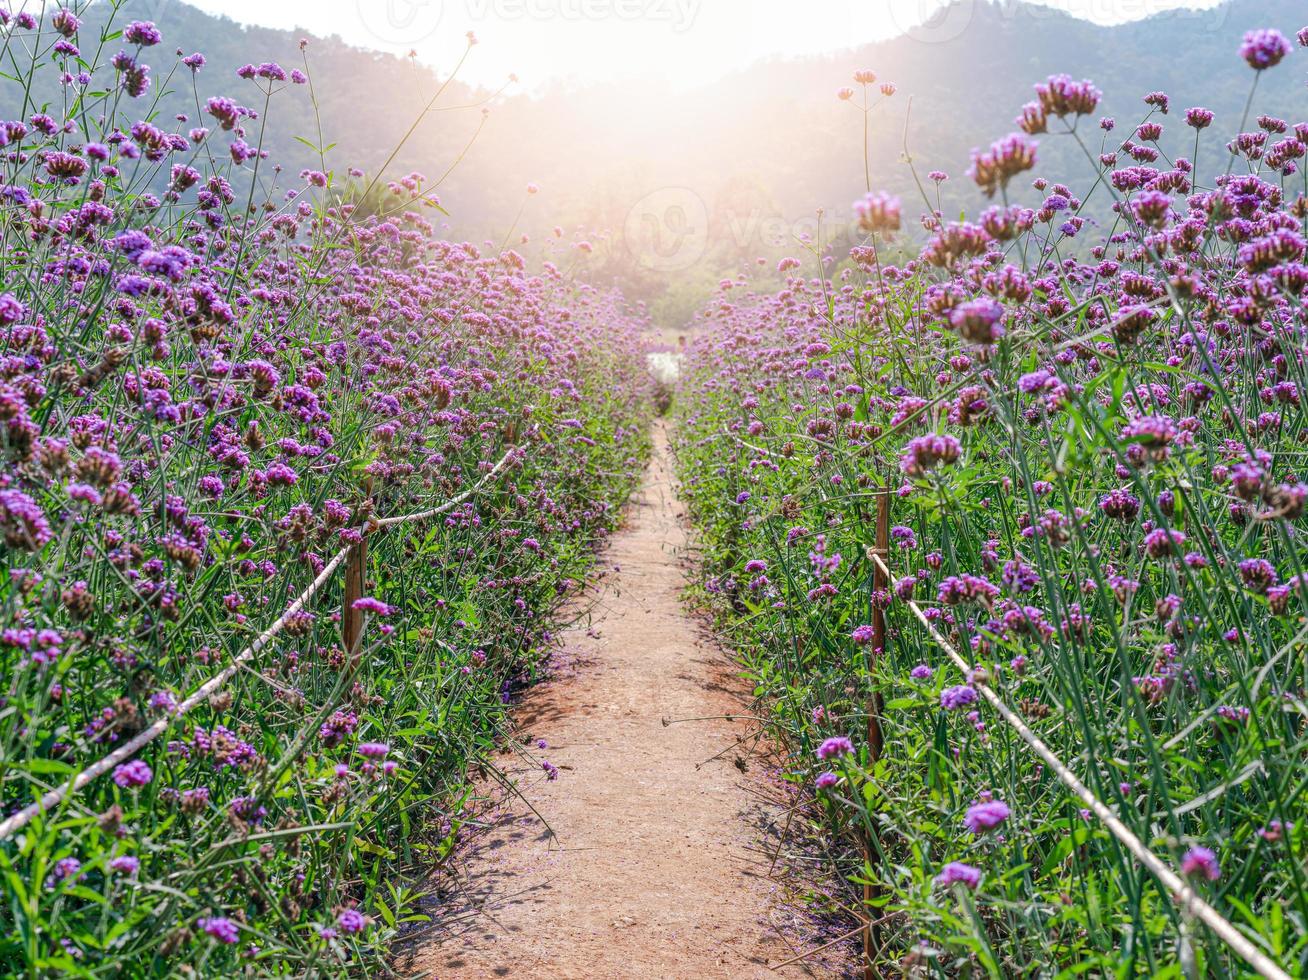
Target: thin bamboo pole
(875, 736)
(12, 824)
(1184, 896)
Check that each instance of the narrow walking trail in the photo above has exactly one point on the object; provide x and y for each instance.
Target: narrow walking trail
(650, 864)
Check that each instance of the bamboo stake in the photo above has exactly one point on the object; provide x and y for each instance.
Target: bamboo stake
(54, 797)
(875, 736)
(1182, 893)
(351, 618)
(355, 570)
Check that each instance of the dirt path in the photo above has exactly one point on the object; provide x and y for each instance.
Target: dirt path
(654, 865)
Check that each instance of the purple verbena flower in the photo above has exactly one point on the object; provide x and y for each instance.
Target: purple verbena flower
(221, 928)
(986, 815)
(133, 775)
(958, 873)
(1200, 862)
(1264, 48)
(952, 698)
(836, 746)
(125, 864)
(351, 922)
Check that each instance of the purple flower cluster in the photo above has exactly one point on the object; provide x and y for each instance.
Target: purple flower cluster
(133, 775)
(1264, 48)
(926, 453)
(985, 816)
(958, 873)
(1132, 408)
(833, 747)
(958, 589)
(959, 696)
(214, 376)
(1200, 862)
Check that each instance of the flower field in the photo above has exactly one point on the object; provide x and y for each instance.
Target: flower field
(1092, 439)
(1003, 514)
(216, 381)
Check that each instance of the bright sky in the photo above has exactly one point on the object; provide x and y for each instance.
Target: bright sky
(685, 42)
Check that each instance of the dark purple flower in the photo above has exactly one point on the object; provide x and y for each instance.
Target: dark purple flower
(1160, 543)
(1258, 574)
(1061, 95)
(11, 310)
(925, 453)
(351, 921)
(22, 522)
(959, 589)
(66, 868)
(125, 864)
(1264, 48)
(221, 928)
(1200, 862)
(833, 747)
(904, 537)
(958, 873)
(1120, 504)
(978, 321)
(65, 22)
(142, 32)
(986, 815)
(953, 698)
(132, 775)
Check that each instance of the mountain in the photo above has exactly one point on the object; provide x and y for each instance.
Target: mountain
(673, 190)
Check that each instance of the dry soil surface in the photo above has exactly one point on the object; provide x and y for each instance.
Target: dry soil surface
(646, 857)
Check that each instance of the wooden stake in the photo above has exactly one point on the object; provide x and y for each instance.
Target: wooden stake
(355, 575)
(351, 618)
(875, 737)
